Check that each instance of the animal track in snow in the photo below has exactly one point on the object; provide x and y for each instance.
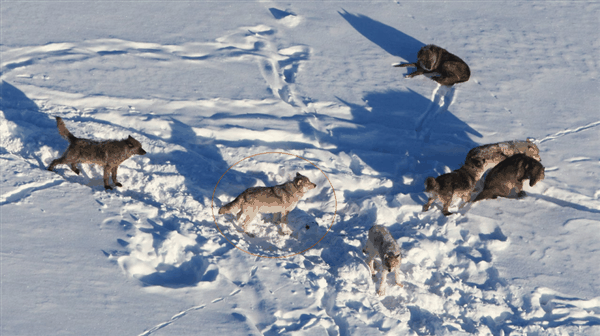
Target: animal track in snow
(441, 99)
(568, 131)
(172, 320)
(25, 190)
(277, 66)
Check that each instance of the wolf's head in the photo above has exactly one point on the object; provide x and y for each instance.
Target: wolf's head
(431, 185)
(303, 183)
(429, 57)
(392, 261)
(135, 147)
(536, 173)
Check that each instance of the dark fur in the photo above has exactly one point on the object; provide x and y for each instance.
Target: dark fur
(433, 59)
(459, 182)
(510, 174)
(109, 154)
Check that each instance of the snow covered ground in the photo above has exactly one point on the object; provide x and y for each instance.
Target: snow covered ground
(204, 85)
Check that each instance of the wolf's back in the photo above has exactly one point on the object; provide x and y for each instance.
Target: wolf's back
(63, 131)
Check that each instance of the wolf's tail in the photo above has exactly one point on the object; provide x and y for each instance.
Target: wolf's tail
(231, 207)
(431, 184)
(63, 131)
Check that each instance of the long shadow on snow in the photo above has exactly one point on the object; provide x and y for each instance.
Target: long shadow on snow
(386, 141)
(200, 165)
(32, 126)
(388, 38)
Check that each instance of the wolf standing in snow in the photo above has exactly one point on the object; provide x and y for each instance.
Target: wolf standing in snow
(381, 243)
(432, 58)
(276, 199)
(109, 154)
(459, 182)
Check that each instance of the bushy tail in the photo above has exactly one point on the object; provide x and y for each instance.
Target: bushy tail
(232, 207)
(431, 185)
(63, 131)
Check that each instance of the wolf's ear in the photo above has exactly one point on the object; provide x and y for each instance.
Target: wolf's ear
(129, 141)
(298, 175)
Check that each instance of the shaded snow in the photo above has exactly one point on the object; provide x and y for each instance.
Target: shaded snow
(205, 85)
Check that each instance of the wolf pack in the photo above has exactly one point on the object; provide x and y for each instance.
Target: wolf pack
(502, 167)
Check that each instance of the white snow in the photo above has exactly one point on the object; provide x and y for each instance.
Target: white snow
(205, 85)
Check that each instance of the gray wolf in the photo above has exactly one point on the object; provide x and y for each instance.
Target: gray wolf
(433, 59)
(279, 199)
(459, 182)
(109, 154)
(381, 243)
(493, 154)
(510, 174)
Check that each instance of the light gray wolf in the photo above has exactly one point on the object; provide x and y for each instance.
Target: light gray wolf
(459, 182)
(381, 243)
(108, 154)
(493, 154)
(279, 199)
(433, 59)
(510, 174)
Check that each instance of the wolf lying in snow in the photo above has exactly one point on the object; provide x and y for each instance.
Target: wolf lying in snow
(381, 243)
(276, 199)
(462, 182)
(109, 154)
(432, 58)
(493, 154)
(510, 174)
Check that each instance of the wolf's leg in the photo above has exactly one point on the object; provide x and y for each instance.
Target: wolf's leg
(446, 80)
(74, 168)
(396, 276)
(416, 73)
(283, 228)
(383, 282)
(113, 172)
(404, 65)
(250, 214)
(106, 175)
(60, 160)
(428, 204)
(284, 216)
(519, 188)
(369, 250)
(371, 261)
(446, 205)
